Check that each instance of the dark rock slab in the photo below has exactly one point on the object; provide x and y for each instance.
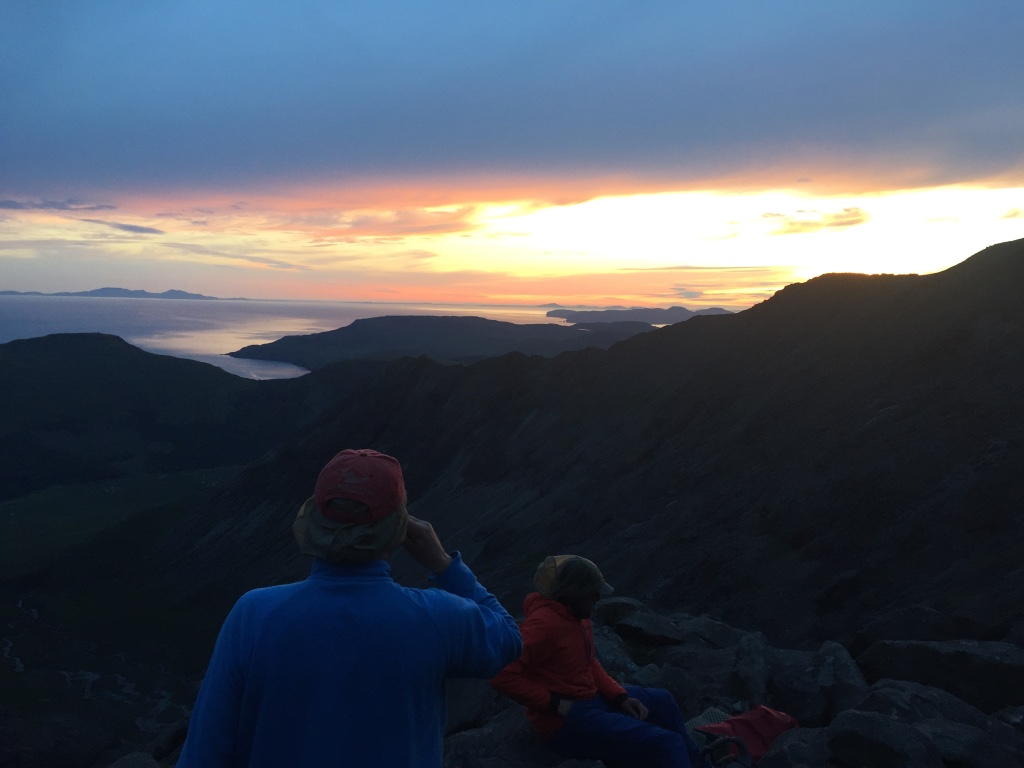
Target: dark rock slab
(960, 744)
(505, 741)
(798, 748)
(169, 739)
(471, 703)
(988, 675)
(1011, 716)
(614, 658)
(794, 686)
(136, 760)
(913, 702)
(615, 609)
(870, 739)
(752, 669)
(963, 734)
(912, 622)
(651, 629)
(840, 679)
(709, 674)
(714, 633)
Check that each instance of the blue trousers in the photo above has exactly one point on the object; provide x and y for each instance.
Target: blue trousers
(593, 731)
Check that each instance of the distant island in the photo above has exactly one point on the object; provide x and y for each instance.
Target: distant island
(120, 293)
(652, 315)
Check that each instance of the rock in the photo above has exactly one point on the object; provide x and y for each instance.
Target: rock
(798, 748)
(1016, 634)
(58, 740)
(708, 630)
(471, 703)
(840, 679)
(504, 741)
(614, 609)
(613, 656)
(870, 739)
(707, 675)
(912, 622)
(650, 629)
(989, 675)
(169, 739)
(794, 686)
(650, 676)
(913, 702)
(752, 669)
(136, 760)
(1011, 716)
(960, 744)
(686, 692)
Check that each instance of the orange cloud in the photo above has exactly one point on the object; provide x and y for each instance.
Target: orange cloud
(399, 223)
(815, 221)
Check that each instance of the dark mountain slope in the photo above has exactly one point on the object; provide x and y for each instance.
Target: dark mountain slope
(445, 339)
(79, 407)
(849, 446)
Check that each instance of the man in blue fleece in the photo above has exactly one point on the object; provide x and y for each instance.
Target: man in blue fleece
(347, 668)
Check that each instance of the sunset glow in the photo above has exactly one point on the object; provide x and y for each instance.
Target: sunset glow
(703, 156)
(695, 248)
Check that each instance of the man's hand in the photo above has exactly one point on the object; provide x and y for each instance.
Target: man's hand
(422, 543)
(564, 705)
(634, 708)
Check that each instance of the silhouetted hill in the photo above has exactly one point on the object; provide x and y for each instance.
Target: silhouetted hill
(445, 339)
(652, 315)
(116, 293)
(81, 407)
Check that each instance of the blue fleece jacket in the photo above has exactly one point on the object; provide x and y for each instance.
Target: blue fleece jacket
(346, 668)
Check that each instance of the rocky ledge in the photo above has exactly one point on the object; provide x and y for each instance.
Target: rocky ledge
(899, 704)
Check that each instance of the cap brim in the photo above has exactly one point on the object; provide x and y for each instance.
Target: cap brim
(604, 589)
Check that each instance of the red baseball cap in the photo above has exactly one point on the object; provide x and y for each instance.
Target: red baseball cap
(363, 475)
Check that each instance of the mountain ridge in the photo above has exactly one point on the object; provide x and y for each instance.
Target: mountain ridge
(818, 424)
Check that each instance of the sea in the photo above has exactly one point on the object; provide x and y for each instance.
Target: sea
(207, 329)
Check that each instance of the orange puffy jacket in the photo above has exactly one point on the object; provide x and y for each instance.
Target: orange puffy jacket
(558, 662)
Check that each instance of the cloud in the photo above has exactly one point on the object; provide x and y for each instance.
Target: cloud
(407, 222)
(135, 229)
(52, 205)
(673, 93)
(814, 221)
(686, 293)
(23, 245)
(1013, 213)
(200, 250)
(690, 268)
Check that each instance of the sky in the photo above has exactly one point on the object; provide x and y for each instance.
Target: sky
(542, 151)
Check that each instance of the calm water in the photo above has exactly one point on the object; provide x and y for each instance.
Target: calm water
(206, 330)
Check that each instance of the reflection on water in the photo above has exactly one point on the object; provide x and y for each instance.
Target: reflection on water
(250, 369)
(206, 330)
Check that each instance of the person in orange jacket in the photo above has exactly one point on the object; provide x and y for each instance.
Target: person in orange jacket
(576, 707)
